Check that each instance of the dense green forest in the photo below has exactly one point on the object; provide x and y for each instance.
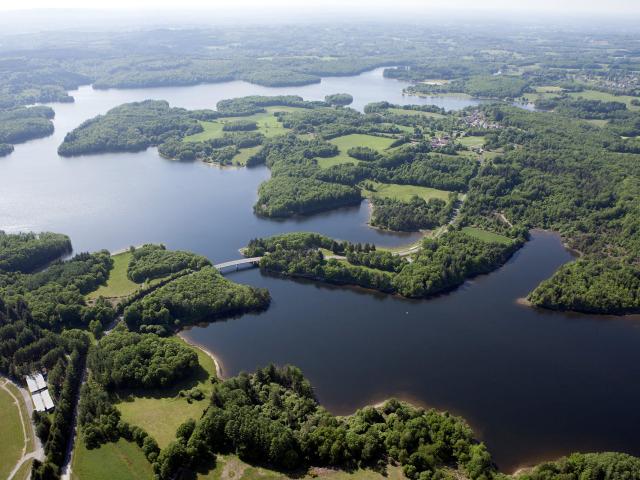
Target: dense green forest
(130, 360)
(28, 251)
(201, 296)
(19, 124)
(441, 264)
(563, 174)
(154, 261)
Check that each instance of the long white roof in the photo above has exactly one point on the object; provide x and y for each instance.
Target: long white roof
(46, 398)
(32, 384)
(38, 402)
(36, 382)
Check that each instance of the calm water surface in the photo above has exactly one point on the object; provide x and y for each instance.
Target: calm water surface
(532, 384)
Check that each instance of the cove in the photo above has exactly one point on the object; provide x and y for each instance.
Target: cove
(533, 384)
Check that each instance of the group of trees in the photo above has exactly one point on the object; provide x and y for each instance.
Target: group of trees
(559, 173)
(155, 261)
(131, 360)
(131, 127)
(442, 263)
(581, 107)
(284, 196)
(416, 214)
(201, 296)
(20, 124)
(272, 416)
(60, 431)
(26, 252)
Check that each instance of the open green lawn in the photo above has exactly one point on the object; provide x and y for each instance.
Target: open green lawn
(548, 89)
(472, 141)
(486, 235)
(402, 111)
(405, 192)
(161, 411)
(606, 97)
(11, 433)
(268, 125)
(346, 142)
(230, 467)
(598, 122)
(122, 460)
(118, 284)
(244, 154)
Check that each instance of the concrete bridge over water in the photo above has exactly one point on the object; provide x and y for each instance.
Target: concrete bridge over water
(252, 261)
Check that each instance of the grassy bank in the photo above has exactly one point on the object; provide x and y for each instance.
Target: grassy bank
(118, 285)
(346, 142)
(161, 411)
(121, 460)
(11, 432)
(486, 235)
(404, 192)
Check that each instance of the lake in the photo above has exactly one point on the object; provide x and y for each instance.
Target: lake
(533, 384)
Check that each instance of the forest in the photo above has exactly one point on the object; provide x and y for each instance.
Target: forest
(155, 261)
(441, 264)
(19, 124)
(200, 296)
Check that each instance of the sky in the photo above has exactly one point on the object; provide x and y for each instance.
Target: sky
(581, 7)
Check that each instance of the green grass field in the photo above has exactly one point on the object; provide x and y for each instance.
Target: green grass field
(11, 432)
(486, 235)
(24, 472)
(122, 460)
(346, 142)
(160, 412)
(118, 285)
(402, 111)
(606, 97)
(230, 467)
(472, 141)
(244, 154)
(405, 192)
(267, 123)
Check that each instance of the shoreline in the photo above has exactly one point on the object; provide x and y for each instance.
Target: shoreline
(207, 352)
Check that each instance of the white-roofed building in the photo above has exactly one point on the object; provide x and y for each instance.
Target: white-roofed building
(42, 401)
(40, 381)
(32, 384)
(38, 403)
(47, 400)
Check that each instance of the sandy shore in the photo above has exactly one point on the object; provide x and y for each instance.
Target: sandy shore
(217, 362)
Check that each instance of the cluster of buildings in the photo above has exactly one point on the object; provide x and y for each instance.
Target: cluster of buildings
(478, 119)
(42, 401)
(438, 142)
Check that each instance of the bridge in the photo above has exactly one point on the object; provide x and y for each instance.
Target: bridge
(253, 261)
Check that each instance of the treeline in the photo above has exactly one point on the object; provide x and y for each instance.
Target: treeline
(149, 262)
(20, 124)
(201, 296)
(580, 466)
(441, 264)
(61, 429)
(581, 107)
(272, 417)
(285, 196)
(26, 252)
(55, 296)
(131, 360)
(130, 128)
(480, 86)
(416, 214)
(591, 285)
